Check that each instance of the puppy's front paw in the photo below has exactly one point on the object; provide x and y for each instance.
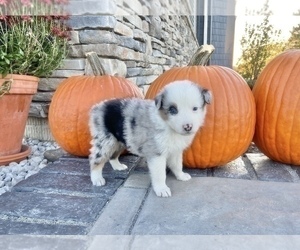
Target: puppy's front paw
(97, 180)
(162, 191)
(183, 177)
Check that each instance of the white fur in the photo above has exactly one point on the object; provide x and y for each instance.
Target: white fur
(158, 130)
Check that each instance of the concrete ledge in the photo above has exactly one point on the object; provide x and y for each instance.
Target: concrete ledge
(119, 215)
(112, 242)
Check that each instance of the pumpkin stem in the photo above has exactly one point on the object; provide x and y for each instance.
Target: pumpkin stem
(202, 55)
(94, 61)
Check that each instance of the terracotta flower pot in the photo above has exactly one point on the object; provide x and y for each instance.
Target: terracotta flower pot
(14, 109)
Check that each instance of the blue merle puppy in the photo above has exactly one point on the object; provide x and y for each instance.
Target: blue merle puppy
(158, 130)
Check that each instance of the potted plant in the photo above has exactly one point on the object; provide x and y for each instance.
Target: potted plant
(33, 43)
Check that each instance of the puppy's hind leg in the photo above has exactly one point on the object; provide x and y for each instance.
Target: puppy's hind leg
(114, 160)
(97, 162)
(103, 147)
(174, 162)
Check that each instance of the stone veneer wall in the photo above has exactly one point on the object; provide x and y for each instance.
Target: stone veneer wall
(137, 39)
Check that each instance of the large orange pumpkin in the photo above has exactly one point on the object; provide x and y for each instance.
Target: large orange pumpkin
(72, 101)
(277, 97)
(229, 126)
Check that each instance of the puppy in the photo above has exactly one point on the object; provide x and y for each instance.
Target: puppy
(158, 130)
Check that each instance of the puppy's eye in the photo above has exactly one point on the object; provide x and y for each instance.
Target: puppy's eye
(195, 108)
(173, 110)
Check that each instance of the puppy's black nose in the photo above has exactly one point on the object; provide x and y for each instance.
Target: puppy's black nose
(187, 127)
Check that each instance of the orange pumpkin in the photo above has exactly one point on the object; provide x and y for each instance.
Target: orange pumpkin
(229, 125)
(277, 97)
(72, 101)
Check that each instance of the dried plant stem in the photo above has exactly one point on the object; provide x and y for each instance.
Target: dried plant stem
(202, 55)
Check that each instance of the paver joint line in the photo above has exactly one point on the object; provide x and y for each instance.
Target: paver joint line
(249, 167)
(139, 211)
(293, 173)
(42, 221)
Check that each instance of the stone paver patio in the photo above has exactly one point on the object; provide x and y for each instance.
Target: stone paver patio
(251, 195)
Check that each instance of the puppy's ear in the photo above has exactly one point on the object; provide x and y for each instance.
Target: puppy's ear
(207, 96)
(159, 100)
